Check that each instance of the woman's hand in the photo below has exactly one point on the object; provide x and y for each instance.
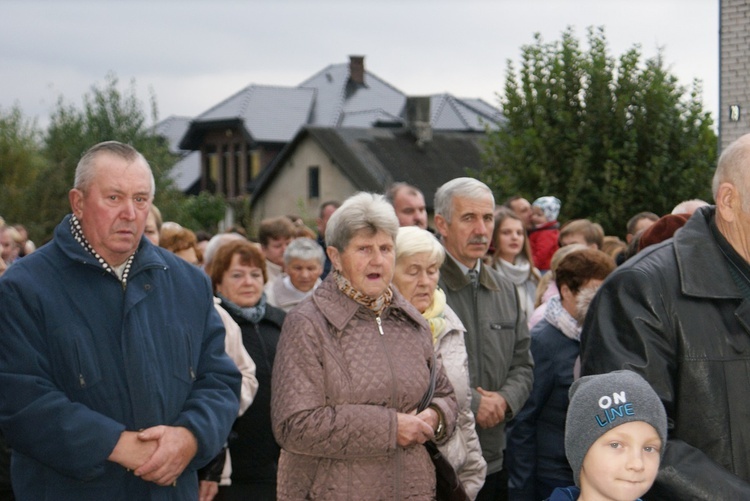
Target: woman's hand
(430, 416)
(412, 430)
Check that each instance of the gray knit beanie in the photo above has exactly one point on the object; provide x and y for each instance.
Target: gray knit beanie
(605, 401)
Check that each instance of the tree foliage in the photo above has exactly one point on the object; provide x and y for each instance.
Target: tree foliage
(609, 137)
(108, 113)
(37, 168)
(200, 212)
(20, 164)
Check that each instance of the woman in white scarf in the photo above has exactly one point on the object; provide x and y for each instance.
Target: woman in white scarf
(418, 259)
(512, 257)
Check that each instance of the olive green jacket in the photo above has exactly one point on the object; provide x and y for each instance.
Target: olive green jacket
(497, 344)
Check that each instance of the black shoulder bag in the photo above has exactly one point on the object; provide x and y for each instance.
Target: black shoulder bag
(448, 486)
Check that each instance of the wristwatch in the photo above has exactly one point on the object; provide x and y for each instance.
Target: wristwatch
(440, 427)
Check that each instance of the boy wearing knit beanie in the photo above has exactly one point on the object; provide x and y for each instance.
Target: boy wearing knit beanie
(615, 433)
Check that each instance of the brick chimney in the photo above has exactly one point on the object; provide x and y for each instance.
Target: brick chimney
(357, 69)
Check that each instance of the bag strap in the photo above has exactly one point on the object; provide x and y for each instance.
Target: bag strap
(427, 397)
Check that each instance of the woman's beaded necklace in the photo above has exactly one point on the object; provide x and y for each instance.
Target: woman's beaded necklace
(75, 229)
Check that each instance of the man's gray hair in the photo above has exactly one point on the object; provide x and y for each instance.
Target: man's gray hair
(732, 167)
(304, 249)
(689, 206)
(85, 171)
(361, 211)
(464, 187)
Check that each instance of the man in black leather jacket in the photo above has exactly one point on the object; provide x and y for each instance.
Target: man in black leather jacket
(679, 315)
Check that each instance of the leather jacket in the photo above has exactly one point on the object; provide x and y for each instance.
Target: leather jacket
(675, 315)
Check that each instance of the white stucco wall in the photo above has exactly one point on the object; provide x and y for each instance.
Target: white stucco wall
(287, 194)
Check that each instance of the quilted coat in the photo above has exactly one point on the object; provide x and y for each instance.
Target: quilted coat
(338, 384)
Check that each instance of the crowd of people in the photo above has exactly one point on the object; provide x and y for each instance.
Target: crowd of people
(542, 358)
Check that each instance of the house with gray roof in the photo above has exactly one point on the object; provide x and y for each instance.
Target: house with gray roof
(186, 173)
(332, 163)
(236, 140)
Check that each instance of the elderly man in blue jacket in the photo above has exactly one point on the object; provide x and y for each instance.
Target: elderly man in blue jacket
(114, 383)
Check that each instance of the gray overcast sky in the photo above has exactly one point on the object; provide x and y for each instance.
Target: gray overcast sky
(193, 54)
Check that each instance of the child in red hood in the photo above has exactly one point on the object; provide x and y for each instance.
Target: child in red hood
(543, 238)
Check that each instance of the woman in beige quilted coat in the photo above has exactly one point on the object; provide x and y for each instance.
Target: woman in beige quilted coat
(351, 367)
(418, 259)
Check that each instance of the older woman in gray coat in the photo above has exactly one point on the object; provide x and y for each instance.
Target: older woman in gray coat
(352, 364)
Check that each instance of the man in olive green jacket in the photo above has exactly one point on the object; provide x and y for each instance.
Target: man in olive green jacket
(497, 338)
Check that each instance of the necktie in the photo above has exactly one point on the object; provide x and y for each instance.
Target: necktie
(474, 277)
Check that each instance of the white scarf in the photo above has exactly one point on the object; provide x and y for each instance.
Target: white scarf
(517, 272)
(559, 317)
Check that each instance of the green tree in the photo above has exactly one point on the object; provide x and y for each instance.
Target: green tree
(20, 164)
(609, 137)
(201, 212)
(108, 113)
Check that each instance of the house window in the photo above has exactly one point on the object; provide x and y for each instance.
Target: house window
(239, 189)
(313, 182)
(211, 169)
(254, 163)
